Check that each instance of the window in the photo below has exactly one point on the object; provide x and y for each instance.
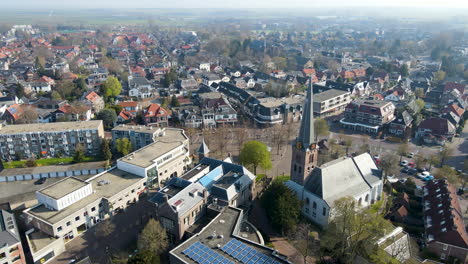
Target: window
(367, 197)
(77, 218)
(307, 210)
(93, 209)
(324, 211)
(314, 205)
(2, 255)
(59, 228)
(442, 256)
(445, 247)
(68, 223)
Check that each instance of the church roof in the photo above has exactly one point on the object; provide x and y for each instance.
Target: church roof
(343, 177)
(203, 149)
(306, 133)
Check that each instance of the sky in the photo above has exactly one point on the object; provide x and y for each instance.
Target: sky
(60, 4)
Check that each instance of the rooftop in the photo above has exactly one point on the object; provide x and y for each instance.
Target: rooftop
(53, 168)
(38, 240)
(275, 102)
(63, 187)
(147, 155)
(117, 180)
(218, 235)
(137, 129)
(328, 94)
(50, 127)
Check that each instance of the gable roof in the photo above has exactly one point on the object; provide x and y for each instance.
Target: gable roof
(437, 125)
(343, 177)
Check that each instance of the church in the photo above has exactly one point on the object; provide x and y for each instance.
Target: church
(319, 187)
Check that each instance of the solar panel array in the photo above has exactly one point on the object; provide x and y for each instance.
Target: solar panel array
(205, 255)
(246, 254)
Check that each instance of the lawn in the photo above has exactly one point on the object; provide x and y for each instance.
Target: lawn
(260, 177)
(43, 162)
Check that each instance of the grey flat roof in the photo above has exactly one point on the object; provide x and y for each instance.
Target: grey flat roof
(39, 240)
(63, 187)
(53, 168)
(223, 224)
(50, 127)
(275, 102)
(145, 156)
(118, 181)
(328, 94)
(138, 129)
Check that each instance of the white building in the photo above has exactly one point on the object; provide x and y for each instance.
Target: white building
(356, 177)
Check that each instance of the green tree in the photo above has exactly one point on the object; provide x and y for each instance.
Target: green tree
(31, 163)
(105, 149)
(282, 206)
(420, 103)
(419, 92)
(111, 87)
(19, 90)
(348, 142)
(174, 101)
(351, 230)
(448, 173)
(439, 76)
(404, 70)
(380, 256)
(321, 128)
(65, 89)
(402, 150)
(280, 63)
(256, 154)
(108, 117)
(81, 84)
(79, 155)
(123, 146)
(153, 238)
(54, 95)
(169, 78)
(144, 257)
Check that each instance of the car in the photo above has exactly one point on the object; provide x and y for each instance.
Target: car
(392, 178)
(423, 174)
(40, 181)
(404, 163)
(410, 155)
(377, 157)
(428, 178)
(405, 169)
(402, 180)
(411, 164)
(377, 161)
(412, 171)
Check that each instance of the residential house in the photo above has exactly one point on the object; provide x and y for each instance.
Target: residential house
(445, 231)
(400, 209)
(450, 86)
(435, 130)
(401, 126)
(97, 77)
(93, 101)
(154, 114)
(209, 78)
(139, 87)
(75, 112)
(139, 136)
(397, 94)
(331, 102)
(204, 66)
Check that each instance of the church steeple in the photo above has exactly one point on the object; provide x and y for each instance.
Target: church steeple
(306, 133)
(305, 152)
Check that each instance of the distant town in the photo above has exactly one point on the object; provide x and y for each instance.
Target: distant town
(330, 139)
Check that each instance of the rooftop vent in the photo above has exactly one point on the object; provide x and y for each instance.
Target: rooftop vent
(103, 182)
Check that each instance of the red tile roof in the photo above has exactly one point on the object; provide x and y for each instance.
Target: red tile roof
(155, 110)
(308, 71)
(92, 96)
(129, 104)
(454, 108)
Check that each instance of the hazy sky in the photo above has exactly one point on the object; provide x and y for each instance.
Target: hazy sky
(48, 4)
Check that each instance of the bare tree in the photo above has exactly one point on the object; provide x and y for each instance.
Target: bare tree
(305, 240)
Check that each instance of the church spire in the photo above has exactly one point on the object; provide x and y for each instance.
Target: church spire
(306, 133)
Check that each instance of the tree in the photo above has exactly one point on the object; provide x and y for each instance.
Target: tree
(420, 103)
(79, 155)
(433, 160)
(241, 136)
(65, 89)
(420, 161)
(389, 164)
(380, 256)
(111, 87)
(351, 229)
(439, 76)
(169, 78)
(153, 238)
(31, 163)
(105, 149)
(29, 115)
(81, 84)
(144, 257)
(402, 150)
(108, 117)
(404, 70)
(448, 173)
(365, 147)
(19, 90)
(445, 153)
(419, 93)
(174, 101)
(280, 63)
(123, 146)
(54, 95)
(321, 128)
(348, 141)
(256, 154)
(105, 228)
(304, 240)
(282, 206)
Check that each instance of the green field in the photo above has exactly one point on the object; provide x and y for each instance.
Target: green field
(43, 162)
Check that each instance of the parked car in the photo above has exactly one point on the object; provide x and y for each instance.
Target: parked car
(377, 157)
(412, 171)
(411, 164)
(405, 169)
(403, 180)
(428, 178)
(392, 178)
(410, 155)
(404, 163)
(40, 181)
(423, 174)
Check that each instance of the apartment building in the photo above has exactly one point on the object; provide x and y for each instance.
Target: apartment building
(165, 158)
(271, 111)
(445, 230)
(368, 115)
(331, 102)
(183, 201)
(140, 136)
(39, 140)
(11, 250)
